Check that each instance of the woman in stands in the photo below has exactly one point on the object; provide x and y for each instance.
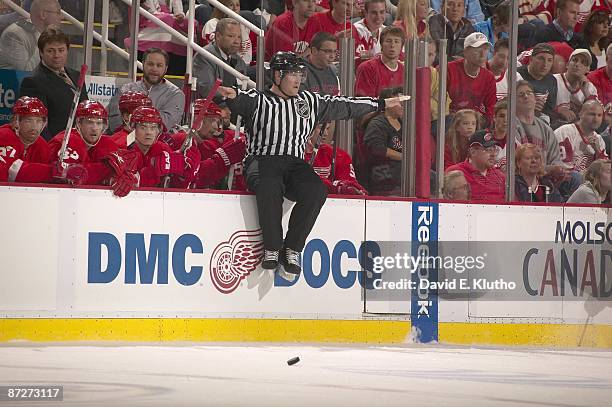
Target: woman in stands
(596, 36)
(464, 125)
(530, 183)
(597, 185)
(412, 18)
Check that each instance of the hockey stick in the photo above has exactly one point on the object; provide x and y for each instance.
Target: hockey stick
(75, 102)
(230, 175)
(317, 144)
(333, 163)
(187, 93)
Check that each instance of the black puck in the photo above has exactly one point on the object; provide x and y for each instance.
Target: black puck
(293, 361)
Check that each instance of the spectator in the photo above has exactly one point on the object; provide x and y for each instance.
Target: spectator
(531, 129)
(473, 10)
(602, 79)
(562, 27)
(498, 65)
(588, 8)
(337, 174)
(247, 38)
(128, 102)
(322, 74)
(385, 70)
(167, 98)
(579, 142)
(412, 18)
(432, 54)
(461, 130)
(175, 7)
(451, 25)
(455, 187)
(18, 42)
(596, 186)
(87, 145)
(531, 185)
(292, 30)
(369, 29)
(383, 140)
(534, 11)
(487, 183)
(607, 133)
(537, 73)
(470, 85)
(52, 81)
(225, 47)
(596, 37)
(336, 20)
(500, 133)
(21, 137)
(496, 27)
(573, 87)
(217, 150)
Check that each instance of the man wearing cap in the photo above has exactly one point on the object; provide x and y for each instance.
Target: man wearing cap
(470, 84)
(537, 73)
(602, 79)
(487, 183)
(573, 87)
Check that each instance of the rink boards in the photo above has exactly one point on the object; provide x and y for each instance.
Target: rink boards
(79, 264)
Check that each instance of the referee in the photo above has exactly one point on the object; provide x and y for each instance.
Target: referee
(278, 122)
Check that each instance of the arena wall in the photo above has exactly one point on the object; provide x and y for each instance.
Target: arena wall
(80, 264)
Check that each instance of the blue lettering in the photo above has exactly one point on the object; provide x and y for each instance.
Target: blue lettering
(563, 234)
(343, 246)
(575, 229)
(95, 274)
(181, 274)
(319, 280)
(158, 254)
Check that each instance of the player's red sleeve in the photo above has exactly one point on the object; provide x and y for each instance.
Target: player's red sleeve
(21, 171)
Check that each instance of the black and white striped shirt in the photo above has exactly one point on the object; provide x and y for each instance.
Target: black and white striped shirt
(277, 126)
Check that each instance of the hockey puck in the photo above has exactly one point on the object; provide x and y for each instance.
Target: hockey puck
(293, 361)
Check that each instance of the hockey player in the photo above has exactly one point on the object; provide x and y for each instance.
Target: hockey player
(155, 159)
(343, 182)
(579, 142)
(218, 151)
(127, 103)
(278, 123)
(21, 137)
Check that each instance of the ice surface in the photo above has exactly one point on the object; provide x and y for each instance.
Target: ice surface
(258, 375)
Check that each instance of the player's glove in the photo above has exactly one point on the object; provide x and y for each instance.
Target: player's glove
(75, 174)
(348, 187)
(123, 183)
(230, 153)
(122, 161)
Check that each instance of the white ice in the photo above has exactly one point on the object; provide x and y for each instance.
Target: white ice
(257, 375)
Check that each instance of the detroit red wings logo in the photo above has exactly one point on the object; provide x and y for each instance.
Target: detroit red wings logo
(234, 260)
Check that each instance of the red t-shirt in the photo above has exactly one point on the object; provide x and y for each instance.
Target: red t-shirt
(11, 146)
(603, 84)
(478, 93)
(374, 76)
(324, 21)
(285, 35)
(485, 188)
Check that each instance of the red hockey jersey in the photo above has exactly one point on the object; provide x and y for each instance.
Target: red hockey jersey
(11, 146)
(323, 166)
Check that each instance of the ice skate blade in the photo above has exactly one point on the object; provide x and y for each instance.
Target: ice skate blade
(287, 276)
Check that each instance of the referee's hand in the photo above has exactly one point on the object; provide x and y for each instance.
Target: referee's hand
(226, 93)
(395, 101)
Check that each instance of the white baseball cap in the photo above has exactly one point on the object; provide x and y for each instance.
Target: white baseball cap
(583, 51)
(475, 40)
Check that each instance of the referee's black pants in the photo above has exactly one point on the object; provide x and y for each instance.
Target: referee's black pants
(275, 177)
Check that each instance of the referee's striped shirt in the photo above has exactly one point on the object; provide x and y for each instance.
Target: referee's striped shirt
(277, 126)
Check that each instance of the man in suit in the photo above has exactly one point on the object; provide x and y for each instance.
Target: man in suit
(225, 47)
(52, 81)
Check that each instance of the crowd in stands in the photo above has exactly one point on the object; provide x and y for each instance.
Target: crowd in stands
(563, 93)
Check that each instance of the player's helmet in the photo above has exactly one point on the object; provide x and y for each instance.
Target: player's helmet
(29, 106)
(212, 110)
(131, 100)
(90, 108)
(286, 61)
(145, 114)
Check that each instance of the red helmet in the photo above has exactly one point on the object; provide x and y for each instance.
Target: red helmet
(29, 106)
(211, 111)
(90, 108)
(145, 114)
(131, 100)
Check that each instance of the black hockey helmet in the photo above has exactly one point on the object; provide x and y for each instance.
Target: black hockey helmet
(286, 61)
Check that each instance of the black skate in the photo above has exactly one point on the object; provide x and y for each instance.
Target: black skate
(290, 260)
(270, 260)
